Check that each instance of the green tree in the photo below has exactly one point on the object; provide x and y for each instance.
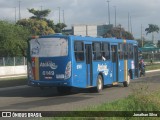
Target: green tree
(36, 27)
(151, 29)
(12, 39)
(59, 27)
(42, 14)
(118, 32)
(39, 14)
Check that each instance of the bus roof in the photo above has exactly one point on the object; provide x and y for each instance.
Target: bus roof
(88, 38)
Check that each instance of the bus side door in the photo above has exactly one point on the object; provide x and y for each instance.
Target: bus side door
(89, 71)
(114, 54)
(121, 62)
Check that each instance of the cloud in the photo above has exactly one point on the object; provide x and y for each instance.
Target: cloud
(89, 11)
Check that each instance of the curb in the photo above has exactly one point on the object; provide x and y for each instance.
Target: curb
(12, 76)
(153, 71)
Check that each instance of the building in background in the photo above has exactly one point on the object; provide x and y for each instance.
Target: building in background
(85, 30)
(88, 30)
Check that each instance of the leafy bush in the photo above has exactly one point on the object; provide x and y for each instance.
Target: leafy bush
(12, 39)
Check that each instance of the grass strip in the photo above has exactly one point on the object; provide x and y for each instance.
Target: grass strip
(141, 100)
(152, 67)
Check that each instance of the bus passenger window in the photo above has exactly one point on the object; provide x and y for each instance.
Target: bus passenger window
(79, 51)
(97, 51)
(125, 49)
(114, 56)
(120, 51)
(105, 51)
(130, 51)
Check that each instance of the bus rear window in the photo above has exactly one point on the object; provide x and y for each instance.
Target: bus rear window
(49, 47)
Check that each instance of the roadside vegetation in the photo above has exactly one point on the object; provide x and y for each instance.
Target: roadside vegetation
(12, 39)
(152, 67)
(141, 99)
(14, 36)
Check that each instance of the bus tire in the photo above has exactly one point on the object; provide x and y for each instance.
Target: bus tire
(126, 83)
(64, 90)
(99, 86)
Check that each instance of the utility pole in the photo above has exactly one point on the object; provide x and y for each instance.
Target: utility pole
(120, 30)
(15, 15)
(41, 7)
(63, 17)
(128, 23)
(19, 10)
(59, 14)
(131, 24)
(142, 35)
(115, 15)
(108, 12)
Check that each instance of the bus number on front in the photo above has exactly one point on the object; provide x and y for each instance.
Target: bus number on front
(48, 73)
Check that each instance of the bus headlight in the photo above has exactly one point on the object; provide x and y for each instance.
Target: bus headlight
(68, 70)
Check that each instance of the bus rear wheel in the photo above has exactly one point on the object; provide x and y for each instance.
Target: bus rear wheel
(64, 90)
(127, 82)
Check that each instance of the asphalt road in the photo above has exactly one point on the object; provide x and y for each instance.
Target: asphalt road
(25, 98)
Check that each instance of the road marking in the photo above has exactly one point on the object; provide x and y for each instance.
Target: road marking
(13, 76)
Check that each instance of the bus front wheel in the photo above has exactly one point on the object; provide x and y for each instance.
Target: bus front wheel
(127, 82)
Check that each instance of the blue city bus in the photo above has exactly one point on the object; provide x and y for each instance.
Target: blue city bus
(66, 61)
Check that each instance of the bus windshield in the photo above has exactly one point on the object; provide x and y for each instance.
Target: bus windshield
(48, 47)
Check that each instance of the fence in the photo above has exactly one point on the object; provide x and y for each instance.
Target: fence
(13, 66)
(12, 61)
(148, 56)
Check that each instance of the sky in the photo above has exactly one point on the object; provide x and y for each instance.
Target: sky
(92, 12)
